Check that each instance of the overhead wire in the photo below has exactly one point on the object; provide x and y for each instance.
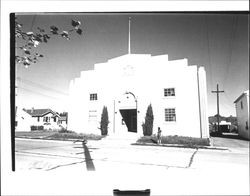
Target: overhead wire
(32, 23)
(31, 83)
(208, 50)
(37, 85)
(35, 92)
(231, 44)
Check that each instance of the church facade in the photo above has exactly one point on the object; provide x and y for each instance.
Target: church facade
(126, 85)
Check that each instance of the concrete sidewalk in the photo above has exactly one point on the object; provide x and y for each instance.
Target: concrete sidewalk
(164, 170)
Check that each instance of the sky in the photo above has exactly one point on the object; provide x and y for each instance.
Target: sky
(219, 42)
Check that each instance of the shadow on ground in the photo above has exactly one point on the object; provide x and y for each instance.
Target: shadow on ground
(89, 161)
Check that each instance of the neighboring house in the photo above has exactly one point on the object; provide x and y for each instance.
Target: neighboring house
(128, 84)
(46, 118)
(62, 121)
(242, 113)
(225, 127)
(227, 124)
(23, 120)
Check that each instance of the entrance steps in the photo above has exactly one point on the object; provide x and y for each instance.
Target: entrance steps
(123, 136)
(121, 139)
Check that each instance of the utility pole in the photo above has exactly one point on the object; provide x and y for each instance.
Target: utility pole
(218, 108)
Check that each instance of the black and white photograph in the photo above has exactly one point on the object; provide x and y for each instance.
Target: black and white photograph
(151, 103)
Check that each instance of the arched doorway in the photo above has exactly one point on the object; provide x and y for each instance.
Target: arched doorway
(126, 113)
(129, 118)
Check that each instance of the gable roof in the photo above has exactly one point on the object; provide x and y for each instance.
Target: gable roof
(40, 112)
(244, 93)
(63, 118)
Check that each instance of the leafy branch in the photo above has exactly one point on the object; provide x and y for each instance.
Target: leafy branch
(31, 40)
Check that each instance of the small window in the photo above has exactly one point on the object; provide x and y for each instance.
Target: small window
(54, 119)
(38, 119)
(93, 97)
(246, 125)
(169, 92)
(46, 119)
(241, 105)
(170, 115)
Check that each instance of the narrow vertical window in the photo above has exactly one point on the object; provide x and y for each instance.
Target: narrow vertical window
(92, 115)
(241, 105)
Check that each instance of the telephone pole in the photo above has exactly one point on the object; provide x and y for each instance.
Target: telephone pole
(218, 107)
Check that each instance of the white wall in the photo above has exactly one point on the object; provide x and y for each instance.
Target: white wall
(24, 120)
(146, 77)
(243, 116)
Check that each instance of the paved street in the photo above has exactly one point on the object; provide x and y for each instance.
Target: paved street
(221, 170)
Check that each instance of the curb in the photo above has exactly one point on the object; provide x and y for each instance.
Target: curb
(181, 146)
(44, 138)
(53, 139)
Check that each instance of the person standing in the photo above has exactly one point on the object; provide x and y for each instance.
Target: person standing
(159, 136)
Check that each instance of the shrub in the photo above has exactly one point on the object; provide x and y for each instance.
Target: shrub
(63, 130)
(70, 135)
(35, 128)
(183, 140)
(104, 121)
(147, 126)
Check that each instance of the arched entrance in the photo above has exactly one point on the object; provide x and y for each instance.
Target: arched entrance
(126, 113)
(129, 118)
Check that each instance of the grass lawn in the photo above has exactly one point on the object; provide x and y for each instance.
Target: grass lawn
(55, 135)
(73, 135)
(33, 134)
(186, 141)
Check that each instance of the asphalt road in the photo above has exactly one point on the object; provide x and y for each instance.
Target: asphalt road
(227, 171)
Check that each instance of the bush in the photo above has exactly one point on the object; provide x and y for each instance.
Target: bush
(70, 135)
(63, 130)
(104, 121)
(35, 128)
(147, 126)
(182, 140)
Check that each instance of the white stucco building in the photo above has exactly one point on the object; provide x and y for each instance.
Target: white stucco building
(242, 113)
(128, 84)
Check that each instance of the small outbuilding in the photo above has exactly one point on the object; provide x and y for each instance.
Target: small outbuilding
(242, 113)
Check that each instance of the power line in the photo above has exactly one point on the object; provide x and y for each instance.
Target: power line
(32, 23)
(228, 99)
(34, 92)
(31, 83)
(208, 51)
(232, 38)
